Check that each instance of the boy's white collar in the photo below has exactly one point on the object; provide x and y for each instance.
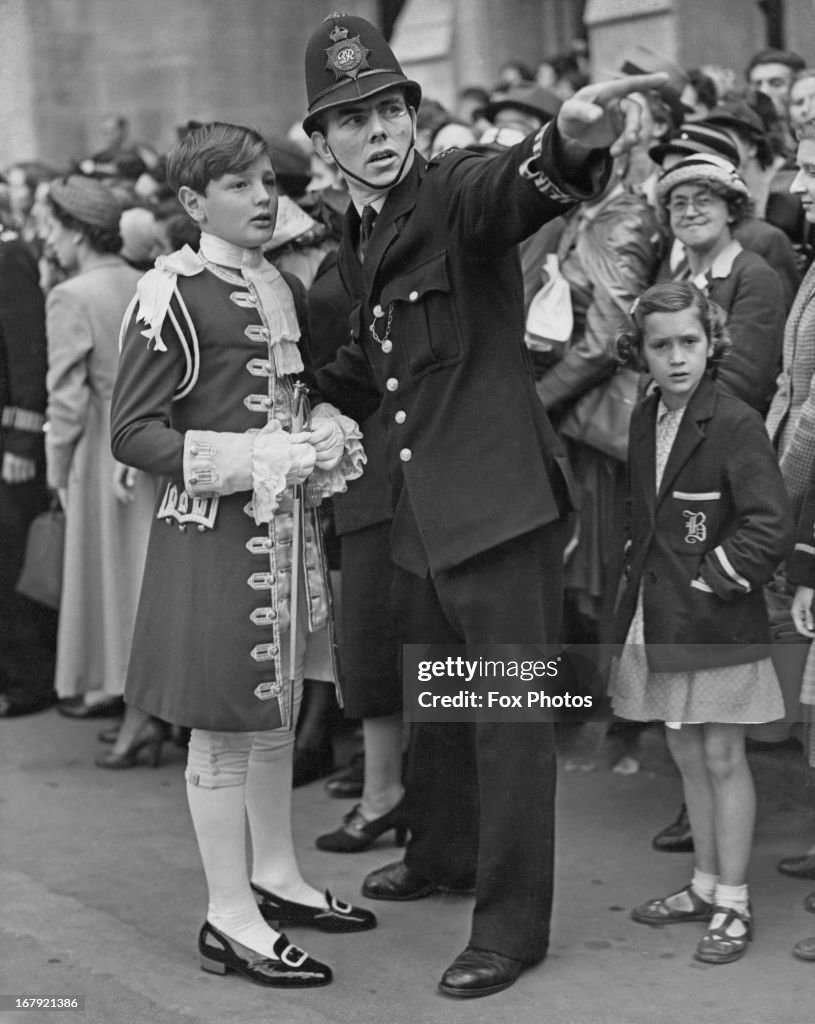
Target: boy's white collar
(226, 254)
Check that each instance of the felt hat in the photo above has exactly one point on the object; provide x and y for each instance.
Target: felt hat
(88, 201)
(737, 115)
(697, 137)
(531, 99)
(348, 59)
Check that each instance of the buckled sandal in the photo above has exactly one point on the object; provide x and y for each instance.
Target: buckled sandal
(659, 911)
(717, 947)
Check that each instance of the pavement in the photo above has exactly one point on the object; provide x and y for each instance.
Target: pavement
(102, 895)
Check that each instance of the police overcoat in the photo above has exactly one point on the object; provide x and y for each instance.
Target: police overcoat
(437, 345)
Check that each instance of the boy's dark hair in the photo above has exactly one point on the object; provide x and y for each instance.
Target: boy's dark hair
(672, 297)
(792, 60)
(210, 151)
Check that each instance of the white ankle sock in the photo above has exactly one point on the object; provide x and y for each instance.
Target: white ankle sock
(731, 897)
(704, 885)
(734, 897)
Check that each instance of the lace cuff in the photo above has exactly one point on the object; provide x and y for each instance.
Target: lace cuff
(271, 462)
(335, 481)
(216, 462)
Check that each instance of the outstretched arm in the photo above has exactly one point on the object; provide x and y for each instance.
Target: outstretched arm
(604, 115)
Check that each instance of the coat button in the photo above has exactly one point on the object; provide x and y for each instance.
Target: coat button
(414, 296)
(406, 455)
(391, 383)
(400, 416)
(193, 480)
(387, 346)
(194, 449)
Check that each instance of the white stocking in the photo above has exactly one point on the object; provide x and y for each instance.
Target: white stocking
(219, 819)
(268, 804)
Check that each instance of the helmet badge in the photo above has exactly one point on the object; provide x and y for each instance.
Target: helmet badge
(346, 57)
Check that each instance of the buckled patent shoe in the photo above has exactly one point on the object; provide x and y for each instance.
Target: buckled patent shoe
(335, 917)
(676, 837)
(479, 972)
(292, 968)
(396, 882)
(798, 867)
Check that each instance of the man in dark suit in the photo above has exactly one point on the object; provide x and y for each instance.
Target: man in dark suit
(480, 481)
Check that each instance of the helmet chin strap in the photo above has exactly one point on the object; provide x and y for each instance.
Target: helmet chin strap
(377, 186)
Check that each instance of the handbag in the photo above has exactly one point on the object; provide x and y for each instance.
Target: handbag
(549, 319)
(41, 576)
(601, 417)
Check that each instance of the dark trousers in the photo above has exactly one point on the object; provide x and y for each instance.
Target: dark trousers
(28, 630)
(481, 795)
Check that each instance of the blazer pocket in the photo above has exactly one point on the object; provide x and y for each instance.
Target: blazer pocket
(424, 319)
(694, 521)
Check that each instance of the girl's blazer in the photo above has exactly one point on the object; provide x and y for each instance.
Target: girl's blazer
(706, 543)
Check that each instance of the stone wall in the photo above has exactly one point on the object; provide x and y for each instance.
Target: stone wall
(64, 64)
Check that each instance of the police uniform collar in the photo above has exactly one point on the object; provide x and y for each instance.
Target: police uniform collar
(377, 204)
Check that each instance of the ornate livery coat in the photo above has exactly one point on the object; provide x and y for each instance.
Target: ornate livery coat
(208, 649)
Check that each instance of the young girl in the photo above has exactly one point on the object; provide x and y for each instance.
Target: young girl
(206, 397)
(709, 522)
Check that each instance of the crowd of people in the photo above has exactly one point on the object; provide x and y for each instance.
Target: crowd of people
(260, 512)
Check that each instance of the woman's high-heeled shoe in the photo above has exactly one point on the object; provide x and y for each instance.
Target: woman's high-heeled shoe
(335, 917)
(111, 734)
(289, 968)
(357, 833)
(150, 737)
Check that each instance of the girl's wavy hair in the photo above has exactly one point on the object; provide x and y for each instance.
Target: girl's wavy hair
(672, 297)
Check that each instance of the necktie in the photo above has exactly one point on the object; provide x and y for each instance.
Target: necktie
(365, 228)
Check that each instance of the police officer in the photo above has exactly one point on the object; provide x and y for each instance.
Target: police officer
(481, 487)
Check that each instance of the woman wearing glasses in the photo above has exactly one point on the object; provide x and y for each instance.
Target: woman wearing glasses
(704, 198)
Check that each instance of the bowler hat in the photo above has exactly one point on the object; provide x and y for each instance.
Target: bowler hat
(348, 59)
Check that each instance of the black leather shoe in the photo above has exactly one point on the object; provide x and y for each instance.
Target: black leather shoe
(357, 833)
(396, 882)
(347, 784)
(336, 917)
(677, 837)
(293, 968)
(479, 972)
(75, 707)
(798, 867)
